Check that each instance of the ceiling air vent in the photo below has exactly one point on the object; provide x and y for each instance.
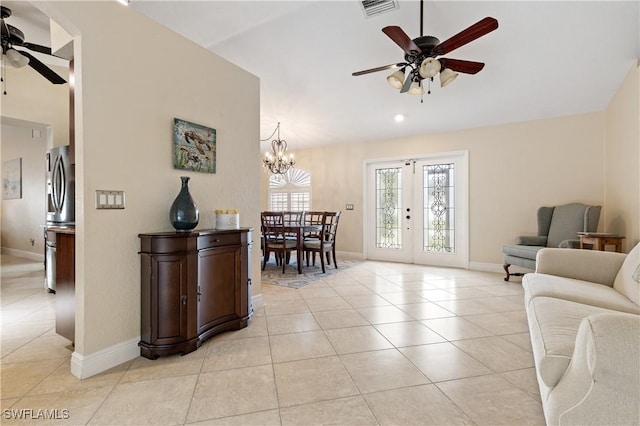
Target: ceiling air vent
(376, 7)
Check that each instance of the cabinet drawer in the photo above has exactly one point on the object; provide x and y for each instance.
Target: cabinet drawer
(167, 245)
(217, 240)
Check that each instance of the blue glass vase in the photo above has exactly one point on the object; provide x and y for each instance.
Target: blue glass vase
(184, 213)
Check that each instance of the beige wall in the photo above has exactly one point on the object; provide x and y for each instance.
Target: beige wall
(23, 219)
(622, 159)
(31, 97)
(513, 169)
(31, 101)
(131, 83)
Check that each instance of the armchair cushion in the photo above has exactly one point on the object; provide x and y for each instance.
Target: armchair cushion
(530, 240)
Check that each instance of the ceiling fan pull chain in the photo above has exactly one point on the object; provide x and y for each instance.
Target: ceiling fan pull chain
(3, 79)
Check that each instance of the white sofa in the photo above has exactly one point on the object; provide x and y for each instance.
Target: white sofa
(584, 320)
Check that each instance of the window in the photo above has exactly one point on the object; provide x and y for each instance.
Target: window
(290, 191)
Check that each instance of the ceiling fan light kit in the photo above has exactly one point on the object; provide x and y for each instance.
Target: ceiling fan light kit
(429, 68)
(396, 80)
(447, 76)
(420, 56)
(416, 88)
(16, 59)
(11, 38)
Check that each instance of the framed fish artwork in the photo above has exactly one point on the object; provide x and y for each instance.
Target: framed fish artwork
(194, 147)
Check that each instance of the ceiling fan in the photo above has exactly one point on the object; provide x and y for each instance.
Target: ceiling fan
(420, 56)
(12, 38)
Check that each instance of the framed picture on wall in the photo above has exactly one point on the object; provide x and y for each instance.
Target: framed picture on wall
(194, 147)
(12, 179)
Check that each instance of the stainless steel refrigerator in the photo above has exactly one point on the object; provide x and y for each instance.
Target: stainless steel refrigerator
(60, 202)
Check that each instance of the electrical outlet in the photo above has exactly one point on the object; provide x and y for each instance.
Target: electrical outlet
(349, 207)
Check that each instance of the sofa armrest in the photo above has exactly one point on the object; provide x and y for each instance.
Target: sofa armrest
(602, 383)
(588, 265)
(613, 350)
(531, 240)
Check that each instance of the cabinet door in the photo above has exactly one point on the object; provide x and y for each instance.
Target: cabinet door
(219, 292)
(169, 299)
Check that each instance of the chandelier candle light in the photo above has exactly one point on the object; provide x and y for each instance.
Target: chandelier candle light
(278, 162)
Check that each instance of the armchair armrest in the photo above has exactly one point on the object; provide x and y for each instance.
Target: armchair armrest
(602, 383)
(594, 266)
(573, 244)
(530, 240)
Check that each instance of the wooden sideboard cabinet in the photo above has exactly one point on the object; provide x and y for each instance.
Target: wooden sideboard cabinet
(193, 285)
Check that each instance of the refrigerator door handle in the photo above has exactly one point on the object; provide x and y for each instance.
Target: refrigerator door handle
(58, 184)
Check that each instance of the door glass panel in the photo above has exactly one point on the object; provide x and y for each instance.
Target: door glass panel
(439, 208)
(389, 208)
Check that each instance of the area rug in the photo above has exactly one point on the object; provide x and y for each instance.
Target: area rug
(272, 274)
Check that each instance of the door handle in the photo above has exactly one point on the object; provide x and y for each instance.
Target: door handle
(183, 299)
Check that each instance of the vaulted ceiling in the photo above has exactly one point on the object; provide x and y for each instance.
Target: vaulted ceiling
(546, 59)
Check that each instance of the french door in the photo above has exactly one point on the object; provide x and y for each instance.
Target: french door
(417, 210)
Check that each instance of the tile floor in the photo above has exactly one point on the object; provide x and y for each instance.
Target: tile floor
(378, 343)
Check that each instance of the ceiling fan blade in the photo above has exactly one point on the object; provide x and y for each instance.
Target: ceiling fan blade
(401, 39)
(474, 32)
(4, 30)
(44, 70)
(467, 67)
(37, 48)
(386, 67)
(407, 83)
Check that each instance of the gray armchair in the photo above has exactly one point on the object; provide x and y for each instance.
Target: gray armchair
(557, 227)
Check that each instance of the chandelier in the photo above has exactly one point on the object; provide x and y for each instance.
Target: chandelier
(278, 162)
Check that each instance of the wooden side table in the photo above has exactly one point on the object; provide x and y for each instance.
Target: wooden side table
(599, 240)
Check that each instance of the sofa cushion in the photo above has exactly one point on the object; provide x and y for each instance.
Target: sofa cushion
(553, 325)
(599, 295)
(626, 281)
(527, 252)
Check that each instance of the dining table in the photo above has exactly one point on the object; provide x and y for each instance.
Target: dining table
(299, 229)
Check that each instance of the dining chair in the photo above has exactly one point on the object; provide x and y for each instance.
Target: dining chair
(312, 218)
(292, 218)
(275, 240)
(326, 244)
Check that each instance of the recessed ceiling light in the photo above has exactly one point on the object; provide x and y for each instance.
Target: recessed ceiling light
(399, 118)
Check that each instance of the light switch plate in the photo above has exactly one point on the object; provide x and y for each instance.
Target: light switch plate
(109, 199)
(349, 207)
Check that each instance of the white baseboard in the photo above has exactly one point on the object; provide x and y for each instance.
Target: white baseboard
(21, 253)
(84, 366)
(257, 301)
(350, 255)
